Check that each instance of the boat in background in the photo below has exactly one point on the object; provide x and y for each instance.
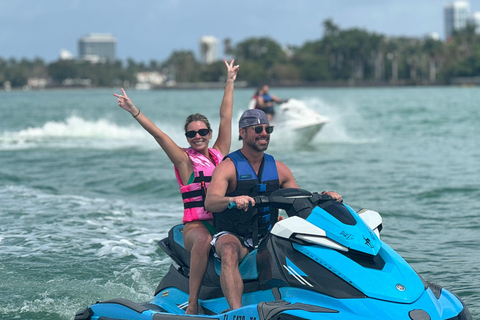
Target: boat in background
(294, 115)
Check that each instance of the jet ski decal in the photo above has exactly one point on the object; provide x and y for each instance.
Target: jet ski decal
(297, 273)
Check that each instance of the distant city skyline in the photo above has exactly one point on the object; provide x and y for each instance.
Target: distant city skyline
(148, 30)
(457, 15)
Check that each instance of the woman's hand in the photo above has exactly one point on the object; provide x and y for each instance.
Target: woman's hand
(232, 70)
(125, 102)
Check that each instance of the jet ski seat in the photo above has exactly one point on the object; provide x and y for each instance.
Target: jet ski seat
(173, 245)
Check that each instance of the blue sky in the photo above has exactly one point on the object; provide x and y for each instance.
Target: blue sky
(152, 29)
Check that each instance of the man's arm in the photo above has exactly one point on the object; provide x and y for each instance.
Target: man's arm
(285, 176)
(223, 176)
(276, 99)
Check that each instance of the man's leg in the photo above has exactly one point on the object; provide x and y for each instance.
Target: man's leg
(231, 252)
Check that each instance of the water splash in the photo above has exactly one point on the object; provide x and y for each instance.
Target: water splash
(74, 132)
(346, 126)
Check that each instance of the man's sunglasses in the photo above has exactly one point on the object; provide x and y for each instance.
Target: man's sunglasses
(259, 129)
(192, 134)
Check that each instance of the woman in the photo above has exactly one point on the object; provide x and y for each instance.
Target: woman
(254, 101)
(192, 165)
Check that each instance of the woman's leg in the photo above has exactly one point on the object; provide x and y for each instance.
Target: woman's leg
(197, 239)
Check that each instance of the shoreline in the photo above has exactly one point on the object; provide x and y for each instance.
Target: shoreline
(244, 84)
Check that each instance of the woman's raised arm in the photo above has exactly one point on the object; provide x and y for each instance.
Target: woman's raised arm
(224, 138)
(176, 154)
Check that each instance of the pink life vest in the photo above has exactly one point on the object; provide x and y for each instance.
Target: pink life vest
(193, 194)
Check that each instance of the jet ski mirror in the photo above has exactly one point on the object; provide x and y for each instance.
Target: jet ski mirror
(373, 219)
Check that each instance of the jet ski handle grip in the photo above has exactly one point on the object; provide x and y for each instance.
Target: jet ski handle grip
(260, 201)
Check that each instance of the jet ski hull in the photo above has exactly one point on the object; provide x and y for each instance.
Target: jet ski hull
(280, 303)
(324, 262)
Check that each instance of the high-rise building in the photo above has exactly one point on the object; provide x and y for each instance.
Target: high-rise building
(476, 22)
(457, 16)
(97, 47)
(208, 49)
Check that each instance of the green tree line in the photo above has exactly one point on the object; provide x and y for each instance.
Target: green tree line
(340, 57)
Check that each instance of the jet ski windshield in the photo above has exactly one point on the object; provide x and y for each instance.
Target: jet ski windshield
(339, 212)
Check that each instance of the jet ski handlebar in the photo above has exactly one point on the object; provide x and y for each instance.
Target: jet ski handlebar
(285, 199)
(293, 200)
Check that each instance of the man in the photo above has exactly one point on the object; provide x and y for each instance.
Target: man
(240, 176)
(265, 101)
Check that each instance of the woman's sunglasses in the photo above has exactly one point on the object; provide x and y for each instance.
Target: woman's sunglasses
(202, 132)
(259, 129)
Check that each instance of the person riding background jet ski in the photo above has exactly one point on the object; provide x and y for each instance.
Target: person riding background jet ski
(265, 101)
(193, 169)
(243, 174)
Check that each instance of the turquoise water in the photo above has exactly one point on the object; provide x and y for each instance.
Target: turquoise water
(85, 193)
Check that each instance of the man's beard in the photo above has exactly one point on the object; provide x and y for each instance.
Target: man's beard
(253, 144)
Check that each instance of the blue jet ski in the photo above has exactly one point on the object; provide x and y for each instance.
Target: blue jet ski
(324, 261)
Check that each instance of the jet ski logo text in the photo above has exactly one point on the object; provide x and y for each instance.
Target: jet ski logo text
(239, 318)
(347, 236)
(367, 242)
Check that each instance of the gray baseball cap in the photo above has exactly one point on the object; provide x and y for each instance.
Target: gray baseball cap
(252, 117)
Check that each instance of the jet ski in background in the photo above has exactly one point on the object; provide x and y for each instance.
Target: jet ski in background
(294, 116)
(324, 261)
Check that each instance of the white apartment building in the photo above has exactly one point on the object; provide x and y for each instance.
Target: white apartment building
(208, 49)
(97, 47)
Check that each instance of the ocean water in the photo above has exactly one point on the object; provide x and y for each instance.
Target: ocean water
(86, 193)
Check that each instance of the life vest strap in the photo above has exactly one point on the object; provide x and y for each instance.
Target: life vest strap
(192, 194)
(202, 178)
(193, 204)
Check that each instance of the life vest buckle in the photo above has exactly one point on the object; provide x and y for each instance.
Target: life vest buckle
(261, 187)
(266, 219)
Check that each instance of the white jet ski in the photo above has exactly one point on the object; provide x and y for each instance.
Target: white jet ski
(294, 116)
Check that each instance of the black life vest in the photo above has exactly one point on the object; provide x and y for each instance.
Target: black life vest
(243, 223)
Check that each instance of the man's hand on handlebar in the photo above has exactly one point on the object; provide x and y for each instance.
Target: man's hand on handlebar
(334, 195)
(243, 202)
